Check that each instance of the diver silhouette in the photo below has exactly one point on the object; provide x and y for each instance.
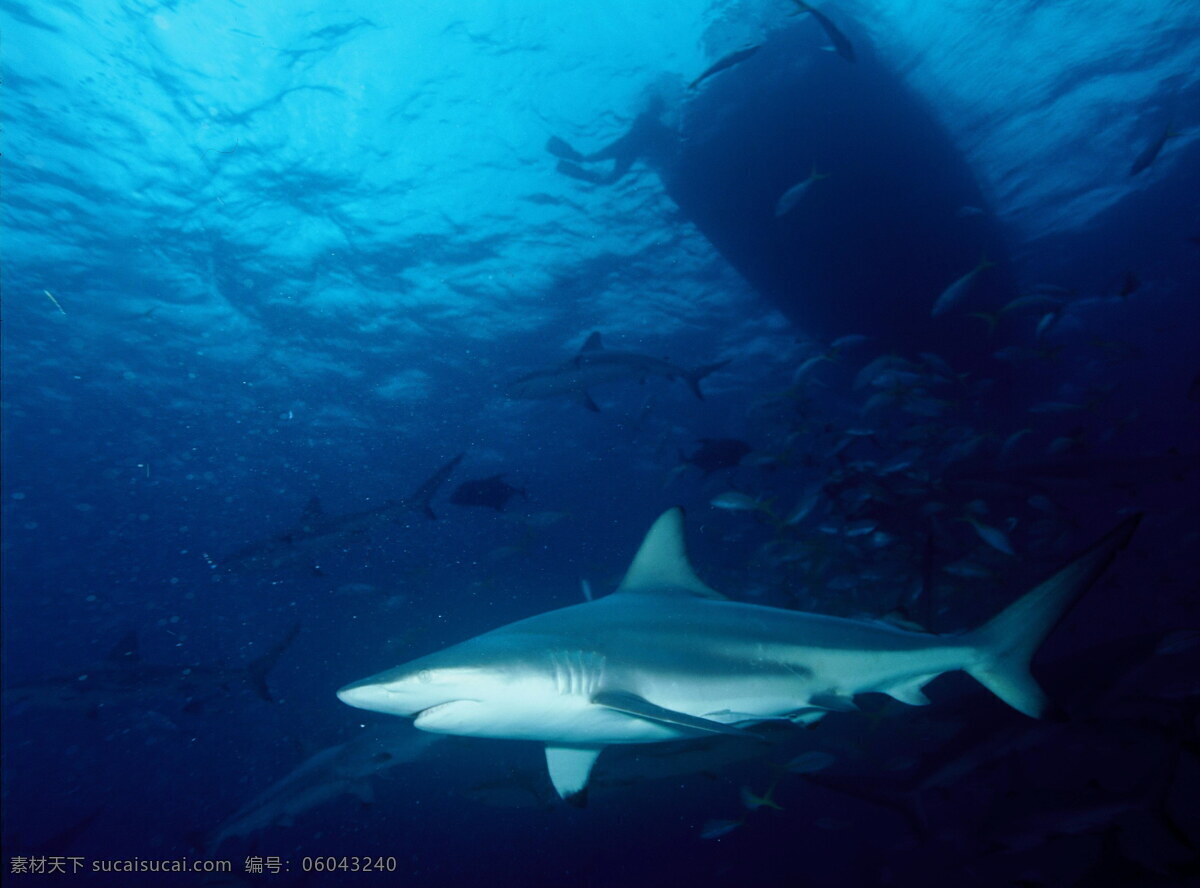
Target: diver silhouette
(648, 137)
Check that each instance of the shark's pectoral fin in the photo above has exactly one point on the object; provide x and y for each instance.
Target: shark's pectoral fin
(632, 704)
(363, 791)
(570, 767)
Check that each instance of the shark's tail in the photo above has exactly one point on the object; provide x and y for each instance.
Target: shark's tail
(257, 670)
(693, 377)
(423, 495)
(1005, 644)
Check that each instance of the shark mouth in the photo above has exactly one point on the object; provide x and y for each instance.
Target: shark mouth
(437, 707)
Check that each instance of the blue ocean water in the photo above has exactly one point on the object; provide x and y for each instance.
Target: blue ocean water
(257, 254)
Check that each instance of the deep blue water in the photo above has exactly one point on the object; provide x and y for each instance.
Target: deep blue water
(253, 255)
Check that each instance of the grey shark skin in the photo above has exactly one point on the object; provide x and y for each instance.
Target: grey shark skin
(124, 677)
(595, 365)
(347, 768)
(318, 532)
(666, 658)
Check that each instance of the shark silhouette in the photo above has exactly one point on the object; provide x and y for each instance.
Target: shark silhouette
(665, 658)
(123, 677)
(318, 532)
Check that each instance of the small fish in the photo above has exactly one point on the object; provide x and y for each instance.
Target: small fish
(715, 454)
(882, 399)
(735, 501)
(804, 507)
(1178, 642)
(50, 296)
(841, 45)
(1057, 290)
(808, 365)
(993, 536)
(754, 802)
(1150, 152)
(714, 829)
(966, 212)
(586, 588)
(968, 570)
(1047, 321)
(792, 197)
(938, 364)
(1011, 441)
(722, 64)
(1041, 502)
(810, 762)
(849, 341)
(860, 528)
(988, 318)
(1072, 442)
(872, 372)
(955, 293)
(1030, 301)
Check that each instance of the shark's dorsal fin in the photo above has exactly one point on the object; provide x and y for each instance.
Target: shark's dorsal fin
(594, 343)
(570, 767)
(125, 650)
(661, 566)
(312, 509)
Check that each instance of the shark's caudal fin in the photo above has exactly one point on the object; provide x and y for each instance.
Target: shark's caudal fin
(257, 670)
(423, 495)
(693, 377)
(1006, 643)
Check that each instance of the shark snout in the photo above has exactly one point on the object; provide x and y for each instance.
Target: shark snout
(357, 694)
(375, 696)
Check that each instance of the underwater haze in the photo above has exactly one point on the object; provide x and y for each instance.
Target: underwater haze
(335, 334)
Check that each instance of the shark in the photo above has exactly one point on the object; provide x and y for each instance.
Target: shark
(123, 676)
(345, 769)
(596, 365)
(317, 531)
(665, 657)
